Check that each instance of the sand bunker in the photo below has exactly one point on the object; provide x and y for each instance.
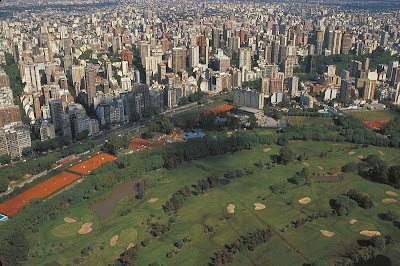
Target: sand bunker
(370, 233)
(351, 152)
(113, 240)
(266, 150)
(392, 193)
(259, 206)
(231, 208)
(381, 153)
(86, 228)
(305, 200)
(152, 200)
(360, 157)
(131, 245)
(69, 220)
(320, 167)
(306, 164)
(327, 233)
(353, 221)
(388, 200)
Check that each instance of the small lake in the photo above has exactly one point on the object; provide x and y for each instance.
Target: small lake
(380, 260)
(105, 207)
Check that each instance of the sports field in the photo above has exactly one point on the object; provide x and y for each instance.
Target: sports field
(303, 120)
(92, 163)
(59, 241)
(366, 115)
(40, 191)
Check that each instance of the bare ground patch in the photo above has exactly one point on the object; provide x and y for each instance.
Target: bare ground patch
(353, 221)
(113, 240)
(152, 200)
(231, 208)
(388, 200)
(305, 200)
(327, 233)
(259, 206)
(69, 220)
(266, 150)
(85, 229)
(370, 233)
(392, 193)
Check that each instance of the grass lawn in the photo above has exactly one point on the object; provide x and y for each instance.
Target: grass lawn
(303, 120)
(373, 115)
(59, 241)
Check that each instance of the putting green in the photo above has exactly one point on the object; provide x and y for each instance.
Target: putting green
(67, 229)
(127, 236)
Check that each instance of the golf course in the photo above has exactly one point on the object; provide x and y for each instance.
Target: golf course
(209, 220)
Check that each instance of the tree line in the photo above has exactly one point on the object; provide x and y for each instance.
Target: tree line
(249, 242)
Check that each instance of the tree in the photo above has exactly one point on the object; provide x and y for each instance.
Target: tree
(380, 172)
(282, 140)
(5, 159)
(378, 242)
(394, 175)
(343, 205)
(286, 155)
(3, 184)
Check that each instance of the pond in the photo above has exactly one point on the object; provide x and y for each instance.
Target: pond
(380, 260)
(105, 207)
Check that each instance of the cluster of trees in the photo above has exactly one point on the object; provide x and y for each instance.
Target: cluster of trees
(313, 132)
(280, 188)
(194, 97)
(353, 130)
(376, 170)
(177, 199)
(144, 185)
(219, 122)
(299, 177)
(158, 228)
(311, 112)
(374, 246)
(362, 199)
(238, 173)
(114, 143)
(390, 216)
(286, 155)
(204, 184)
(150, 111)
(342, 205)
(249, 242)
(160, 124)
(349, 128)
(128, 257)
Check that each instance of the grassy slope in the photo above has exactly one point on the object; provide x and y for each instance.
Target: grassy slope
(300, 245)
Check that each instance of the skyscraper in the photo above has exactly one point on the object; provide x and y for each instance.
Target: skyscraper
(194, 56)
(178, 59)
(90, 76)
(245, 57)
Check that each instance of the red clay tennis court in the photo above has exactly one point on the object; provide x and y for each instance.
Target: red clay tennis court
(93, 163)
(157, 144)
(12, 206)
(374, 125)
(138, 143)
(223, 108)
